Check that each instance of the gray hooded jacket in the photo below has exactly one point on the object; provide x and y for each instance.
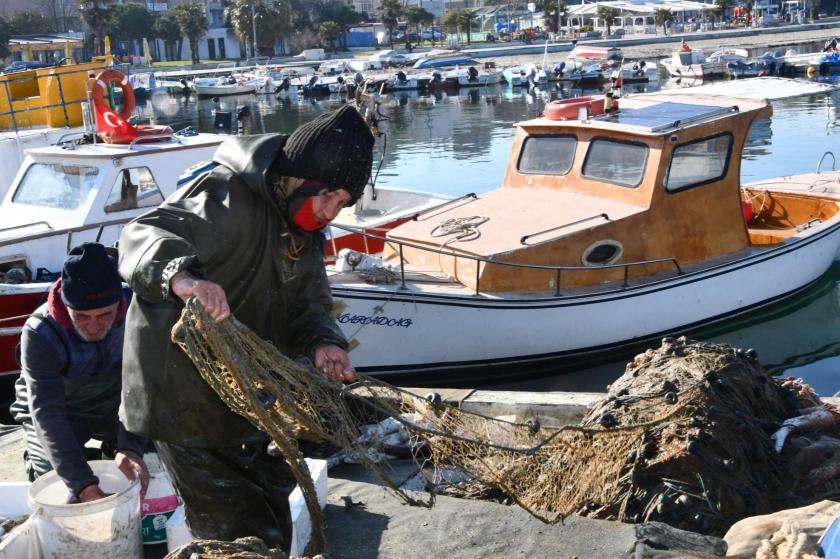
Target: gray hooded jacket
(229, 228)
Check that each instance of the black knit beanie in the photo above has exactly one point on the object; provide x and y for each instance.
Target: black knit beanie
(89, 278)
(336, 148)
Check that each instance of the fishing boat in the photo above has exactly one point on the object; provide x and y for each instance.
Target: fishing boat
(442, 57)
(688, 63)
(39, 106)
(599, 237)
(475, 77)
(524, 75)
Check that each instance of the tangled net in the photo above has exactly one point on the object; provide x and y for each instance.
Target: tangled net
(682, 438)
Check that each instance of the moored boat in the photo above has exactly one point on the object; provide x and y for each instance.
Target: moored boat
(599, 237)
(688, 63)
(442, 57)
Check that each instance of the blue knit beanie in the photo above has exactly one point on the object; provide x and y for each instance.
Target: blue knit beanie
(89, 279)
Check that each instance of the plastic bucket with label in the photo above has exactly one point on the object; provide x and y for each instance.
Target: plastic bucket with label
(108, 527)
(159, 503)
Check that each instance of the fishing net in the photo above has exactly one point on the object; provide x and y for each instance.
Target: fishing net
(683, 436)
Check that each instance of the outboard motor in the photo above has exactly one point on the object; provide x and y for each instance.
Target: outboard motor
(360, 79)
(436, 78)
(401, 77)
(472, 73)
(284, 85)
(559, 69)
(186, 87)
(312, 81)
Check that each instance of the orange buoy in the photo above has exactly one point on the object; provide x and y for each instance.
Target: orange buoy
(565, 109)
(684, 47)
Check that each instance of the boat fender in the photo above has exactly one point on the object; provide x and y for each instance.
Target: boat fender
(401, 77)
(100, 86)
(811, 72)
(684, 47)
(746, 207)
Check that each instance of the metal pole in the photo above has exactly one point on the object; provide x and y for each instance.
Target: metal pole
(253, 31)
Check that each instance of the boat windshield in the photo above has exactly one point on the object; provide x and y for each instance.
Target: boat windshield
(547, 155)
(56, 185)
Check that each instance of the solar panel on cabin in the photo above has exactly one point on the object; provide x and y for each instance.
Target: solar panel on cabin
(665, 115)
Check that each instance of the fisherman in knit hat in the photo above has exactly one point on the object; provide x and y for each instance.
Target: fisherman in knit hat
(68, 391)
(244, 239)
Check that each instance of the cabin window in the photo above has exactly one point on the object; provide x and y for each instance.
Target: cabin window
(134, 188)
(699, 162)
(547, 155)
(56, 185)
(621, 163)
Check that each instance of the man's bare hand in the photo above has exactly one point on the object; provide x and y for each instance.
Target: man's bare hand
(211, 295)
(334, 363)
(132, 466)
(91, 493)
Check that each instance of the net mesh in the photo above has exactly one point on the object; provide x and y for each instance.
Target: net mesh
(683, 436)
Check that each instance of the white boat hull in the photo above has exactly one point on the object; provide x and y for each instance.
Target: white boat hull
(219, 90)
(706, 69)
(418, 331)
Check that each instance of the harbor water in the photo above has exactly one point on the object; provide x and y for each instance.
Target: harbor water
(458, 142)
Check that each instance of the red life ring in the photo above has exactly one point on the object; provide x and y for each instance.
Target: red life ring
(566, 109)
(113, 127)
(101, 85)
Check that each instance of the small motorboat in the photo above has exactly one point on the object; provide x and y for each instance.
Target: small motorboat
(688, 63)
(436, 58)
(524, 75)
(599, 238)
(224, 85)
(475, 77)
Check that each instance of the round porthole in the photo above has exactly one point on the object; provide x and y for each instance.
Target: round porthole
(601, 253)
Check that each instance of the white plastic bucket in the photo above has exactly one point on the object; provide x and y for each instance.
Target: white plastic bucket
(108, 528)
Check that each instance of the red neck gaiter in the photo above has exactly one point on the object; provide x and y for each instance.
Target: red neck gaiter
(305, 216)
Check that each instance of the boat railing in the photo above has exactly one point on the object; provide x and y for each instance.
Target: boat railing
(487, 260)
(471, 195)
(14, 114)
(833, 161)
(24, 226)
(66, 231)
(523, 240)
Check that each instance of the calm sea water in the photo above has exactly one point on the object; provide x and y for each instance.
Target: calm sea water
(455, 143)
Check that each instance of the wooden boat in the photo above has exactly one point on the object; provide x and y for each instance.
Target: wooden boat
(688, 63)
(605, 232)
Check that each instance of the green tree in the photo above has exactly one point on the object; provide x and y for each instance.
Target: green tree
(4, 37)
(131, 22)
(30, 23)
(449, 21)
(663, 16)
(166, 29)
(329, 32)
(193, 23)
(342, 14)
(390, 12)
(96, 14)
(607, 14)
(417, 16)
(269, 20)
(465, 20)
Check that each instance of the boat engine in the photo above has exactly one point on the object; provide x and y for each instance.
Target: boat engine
(472, 73)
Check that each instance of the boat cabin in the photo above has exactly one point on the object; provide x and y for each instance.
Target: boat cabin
(67, 194)
(652, 189)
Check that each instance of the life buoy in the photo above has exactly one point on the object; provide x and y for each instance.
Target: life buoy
(114, 127)
(565, 109)
(100, 87)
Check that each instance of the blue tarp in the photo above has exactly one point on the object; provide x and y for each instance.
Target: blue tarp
(361, 39)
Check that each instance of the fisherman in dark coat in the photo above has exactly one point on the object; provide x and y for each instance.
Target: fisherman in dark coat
(245, 238)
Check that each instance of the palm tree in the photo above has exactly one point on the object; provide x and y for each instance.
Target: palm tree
(329, 31)
(415, 15)
(268, 18)
(465, 20)
(663, 16)
(166, 29)
(607, 14)
(389, 13)
(193, 23)
(96, 14)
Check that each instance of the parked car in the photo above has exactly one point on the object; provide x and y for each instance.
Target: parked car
(390, 58)
(21, 65)
(432, 35)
